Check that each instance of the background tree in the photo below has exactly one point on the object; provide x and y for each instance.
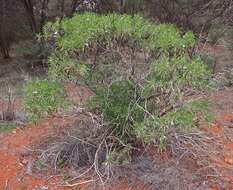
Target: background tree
(29, 8)
(4, 43)
(191, 14)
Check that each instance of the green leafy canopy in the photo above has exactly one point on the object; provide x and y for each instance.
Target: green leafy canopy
(133, 108)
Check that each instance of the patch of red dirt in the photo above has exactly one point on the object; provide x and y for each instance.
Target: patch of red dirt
(13, 166)
(126, 185)
(216, 129)
(222, 159)
(229, 146)
(157, 155)
(15, 160)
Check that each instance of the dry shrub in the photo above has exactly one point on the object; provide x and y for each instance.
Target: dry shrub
(76, 147)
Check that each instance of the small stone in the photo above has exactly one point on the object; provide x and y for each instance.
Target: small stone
(24, 161)
(228, 160)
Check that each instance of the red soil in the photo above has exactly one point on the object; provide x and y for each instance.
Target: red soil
(14, 163)
(14, 166)
(15, 172)
(14, 160)
(222, 159)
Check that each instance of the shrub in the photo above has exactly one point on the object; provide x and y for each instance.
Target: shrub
(182, 119)
(134, 98)
(117, 103)
(42, 97)
(87, 33)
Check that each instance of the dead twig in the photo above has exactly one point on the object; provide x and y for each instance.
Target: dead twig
(77, 184)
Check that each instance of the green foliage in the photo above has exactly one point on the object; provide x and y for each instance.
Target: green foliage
(118, 104)
(89, 31)
(182, 119)
(62, 67)
(7, 127)
(42, 97)
(167, 38)
(178, 72)
(130, 107)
